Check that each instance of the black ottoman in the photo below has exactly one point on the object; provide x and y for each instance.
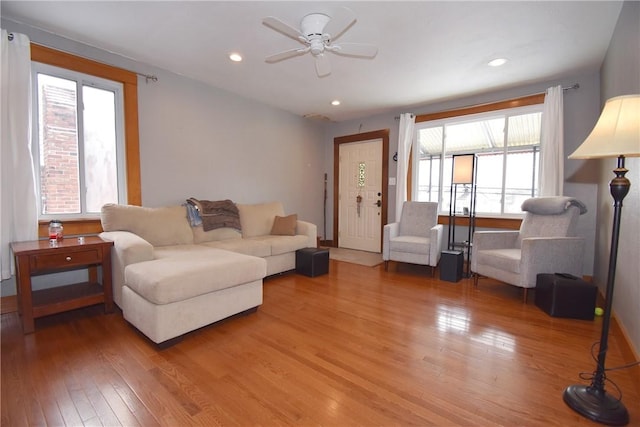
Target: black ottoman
(312, 261)
(564, 295)
(451, 263)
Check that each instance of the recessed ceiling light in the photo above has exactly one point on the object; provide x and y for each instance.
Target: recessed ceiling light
(335, 102)
(235, 57)
(498, 62)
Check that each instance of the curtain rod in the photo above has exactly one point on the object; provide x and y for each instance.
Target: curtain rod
(148, 77)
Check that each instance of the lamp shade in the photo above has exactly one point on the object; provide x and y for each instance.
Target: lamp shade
(617, 132)
(463, 169)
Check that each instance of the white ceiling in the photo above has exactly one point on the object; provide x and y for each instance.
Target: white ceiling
(428, 51)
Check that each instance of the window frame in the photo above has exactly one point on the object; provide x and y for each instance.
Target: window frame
(129, 81)
(508, 220)
(81, 80)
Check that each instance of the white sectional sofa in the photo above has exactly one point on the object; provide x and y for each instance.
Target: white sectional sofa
(170, 278)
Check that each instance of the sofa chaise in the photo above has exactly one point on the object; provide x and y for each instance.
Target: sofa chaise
(170, 278)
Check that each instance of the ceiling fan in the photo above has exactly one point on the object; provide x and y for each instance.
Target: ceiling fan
(317, 33)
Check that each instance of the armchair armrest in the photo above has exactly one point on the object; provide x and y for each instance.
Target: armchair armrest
(389, 231)
(550, 255)
(310, 230)
(435, 240)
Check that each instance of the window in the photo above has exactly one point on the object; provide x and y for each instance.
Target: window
(507, 143)
(78, 142)
(129, 81)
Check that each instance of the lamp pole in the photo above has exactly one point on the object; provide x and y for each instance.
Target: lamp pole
(593, 401)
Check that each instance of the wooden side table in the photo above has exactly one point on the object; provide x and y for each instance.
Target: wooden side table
(40, 257)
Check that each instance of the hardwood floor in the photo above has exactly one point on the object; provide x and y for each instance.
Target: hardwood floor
(359, 346)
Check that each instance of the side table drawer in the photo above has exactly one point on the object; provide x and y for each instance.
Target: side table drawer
(66, 259)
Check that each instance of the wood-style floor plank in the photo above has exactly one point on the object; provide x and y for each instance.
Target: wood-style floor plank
(358, 346)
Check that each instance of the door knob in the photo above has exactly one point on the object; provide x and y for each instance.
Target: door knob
(378, 203)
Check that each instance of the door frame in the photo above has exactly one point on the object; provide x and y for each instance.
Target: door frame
(382, 134)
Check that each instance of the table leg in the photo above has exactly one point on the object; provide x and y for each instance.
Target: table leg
(106, 280)
(23, 284)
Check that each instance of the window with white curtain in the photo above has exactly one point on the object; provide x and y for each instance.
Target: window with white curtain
(78, 142)
(507, 143)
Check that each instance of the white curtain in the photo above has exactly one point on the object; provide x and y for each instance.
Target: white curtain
(18, 208)
(551, 176)
(405, 138)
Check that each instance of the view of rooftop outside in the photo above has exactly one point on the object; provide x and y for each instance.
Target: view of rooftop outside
(62, 173)
(506, 175)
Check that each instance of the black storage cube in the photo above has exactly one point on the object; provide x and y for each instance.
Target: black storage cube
(564, 295)
(451, 263)
(312, 261)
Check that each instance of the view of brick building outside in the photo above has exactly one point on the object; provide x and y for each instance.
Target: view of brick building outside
(59, 175)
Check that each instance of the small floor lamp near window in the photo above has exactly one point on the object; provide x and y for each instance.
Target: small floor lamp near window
(616, 134)
(463, 173)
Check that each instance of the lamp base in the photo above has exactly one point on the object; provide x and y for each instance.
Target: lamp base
(596, 405)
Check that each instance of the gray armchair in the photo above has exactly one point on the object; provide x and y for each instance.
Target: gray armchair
(545, 243)
(416, 238)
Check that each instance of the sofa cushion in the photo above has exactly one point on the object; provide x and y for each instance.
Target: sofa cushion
(284, 225)
(161, 281)
(250, 246)
(286, 244)
(257, 219)
(225, 233)
(158, 226)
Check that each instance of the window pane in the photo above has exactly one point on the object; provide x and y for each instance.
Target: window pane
(58, 145)
(519, 183)
(475, 136)
(429, 179)
(100, 167)
(489, 183)
(524, 130)
(430, 141)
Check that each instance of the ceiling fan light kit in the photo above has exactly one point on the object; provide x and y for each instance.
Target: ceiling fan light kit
(317, 32)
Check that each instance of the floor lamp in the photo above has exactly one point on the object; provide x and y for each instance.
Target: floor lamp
(463, 172)
(616, 134)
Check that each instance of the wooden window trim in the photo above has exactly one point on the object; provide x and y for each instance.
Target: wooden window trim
(129, 81)
(483, 108)
(483, 222)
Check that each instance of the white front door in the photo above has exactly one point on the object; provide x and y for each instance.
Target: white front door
(360, 195)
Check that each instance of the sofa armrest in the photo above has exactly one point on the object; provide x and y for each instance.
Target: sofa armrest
(435, 244)
(485, 240)
(128, 248)
(550, 255)
(390, 230)
(310, 230)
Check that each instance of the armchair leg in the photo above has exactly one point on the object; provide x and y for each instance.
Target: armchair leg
(525, 294)
(476, 276)
(386, 266)
(433, 271)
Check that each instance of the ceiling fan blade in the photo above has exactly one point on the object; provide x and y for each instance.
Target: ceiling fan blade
(323, 66)
(286, 55)
(339, 23)
(282, 27)
(363, 50)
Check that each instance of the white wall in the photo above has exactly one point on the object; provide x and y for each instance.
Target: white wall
(581, 109)
(621, 76)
